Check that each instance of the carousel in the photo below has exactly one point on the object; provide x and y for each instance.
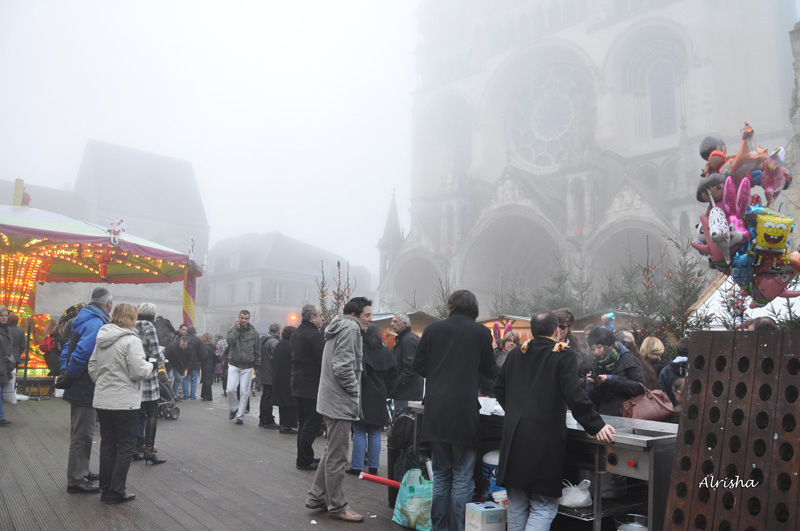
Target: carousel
(37, 246)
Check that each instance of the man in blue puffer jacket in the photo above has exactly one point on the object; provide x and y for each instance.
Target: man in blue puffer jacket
(80, 393)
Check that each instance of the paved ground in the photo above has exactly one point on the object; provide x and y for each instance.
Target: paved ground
(218, 476)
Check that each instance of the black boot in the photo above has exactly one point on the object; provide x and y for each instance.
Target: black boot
(150, 439)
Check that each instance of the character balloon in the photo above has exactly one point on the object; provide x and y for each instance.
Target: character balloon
(771, 283)
(749, 158)
(734, 204)
(774, 177)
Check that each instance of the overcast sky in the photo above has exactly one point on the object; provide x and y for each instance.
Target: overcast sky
(295, 115)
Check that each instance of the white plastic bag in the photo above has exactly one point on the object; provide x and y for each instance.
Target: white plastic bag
(575, 495)
(10, 389)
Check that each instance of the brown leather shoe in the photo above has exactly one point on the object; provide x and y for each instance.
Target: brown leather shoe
(316, 505)
(349, 515)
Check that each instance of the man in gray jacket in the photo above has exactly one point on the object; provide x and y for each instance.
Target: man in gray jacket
(339, 403)
(244, 357)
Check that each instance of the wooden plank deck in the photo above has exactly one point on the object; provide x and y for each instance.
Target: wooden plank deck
(218, 476)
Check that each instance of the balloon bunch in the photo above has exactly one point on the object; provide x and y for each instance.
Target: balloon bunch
(741, 237)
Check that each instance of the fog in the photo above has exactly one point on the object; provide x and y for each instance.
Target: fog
(294, 115)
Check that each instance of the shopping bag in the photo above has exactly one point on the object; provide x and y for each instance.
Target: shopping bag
(413, 506)
(652, 405)
(575, 495)
(10, 389)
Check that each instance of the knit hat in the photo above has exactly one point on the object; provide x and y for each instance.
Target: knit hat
(600, 336)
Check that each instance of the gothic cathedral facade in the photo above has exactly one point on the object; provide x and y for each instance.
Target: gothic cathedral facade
(546, 128)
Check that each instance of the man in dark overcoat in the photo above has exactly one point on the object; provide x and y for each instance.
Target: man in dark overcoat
(408, 385)
(536, 384)
(307, 345)
(451, 354)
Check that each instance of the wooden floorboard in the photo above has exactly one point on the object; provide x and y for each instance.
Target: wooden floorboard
(218, 476)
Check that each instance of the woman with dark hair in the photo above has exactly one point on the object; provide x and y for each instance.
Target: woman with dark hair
(377, 378)
(566, 320)
(208, 361)
(281, 378)
(117, 366)
(616, 375)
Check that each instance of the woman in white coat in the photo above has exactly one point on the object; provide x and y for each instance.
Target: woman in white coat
(117, 367)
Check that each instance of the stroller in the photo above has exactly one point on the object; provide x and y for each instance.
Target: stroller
(166, 402)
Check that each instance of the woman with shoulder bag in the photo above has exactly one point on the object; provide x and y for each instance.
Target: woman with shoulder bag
(616, 376)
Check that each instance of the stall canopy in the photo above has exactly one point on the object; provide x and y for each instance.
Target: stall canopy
(40, 246)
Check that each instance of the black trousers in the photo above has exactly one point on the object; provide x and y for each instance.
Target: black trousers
(205, 390)
(288, 416)
(150, 412)
(117, 446)
(310, 422)
(265, 415)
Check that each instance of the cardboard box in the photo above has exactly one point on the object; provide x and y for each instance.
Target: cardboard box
(486, 516)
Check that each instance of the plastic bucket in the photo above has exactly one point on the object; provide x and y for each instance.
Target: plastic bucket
(489, 474)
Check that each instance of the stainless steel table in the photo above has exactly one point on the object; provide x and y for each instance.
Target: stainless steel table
(643, 450)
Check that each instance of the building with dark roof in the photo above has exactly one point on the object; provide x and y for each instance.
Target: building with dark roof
(156, 196)
(272, 276)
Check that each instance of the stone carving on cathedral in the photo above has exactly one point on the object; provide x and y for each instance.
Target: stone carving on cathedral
(508, 192)
(625, 200)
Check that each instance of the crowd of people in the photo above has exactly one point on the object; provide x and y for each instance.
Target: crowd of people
(115, 368)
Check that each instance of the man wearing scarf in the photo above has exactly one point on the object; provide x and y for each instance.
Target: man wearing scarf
(536, 384)
(616, 376)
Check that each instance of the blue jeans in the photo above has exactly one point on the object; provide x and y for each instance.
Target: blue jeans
(193, 380)
(177, 380)
(366, 439)
(453, 485)
(530, 512)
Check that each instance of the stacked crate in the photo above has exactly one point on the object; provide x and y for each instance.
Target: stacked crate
(736, 464)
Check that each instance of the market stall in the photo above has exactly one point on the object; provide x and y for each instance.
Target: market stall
(37, 246)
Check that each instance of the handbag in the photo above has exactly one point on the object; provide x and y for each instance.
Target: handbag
(413, 506)
(652, 405)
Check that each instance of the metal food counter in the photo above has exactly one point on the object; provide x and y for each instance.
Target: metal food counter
(642, 452)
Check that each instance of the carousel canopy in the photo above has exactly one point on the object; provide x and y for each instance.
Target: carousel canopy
(36, 245)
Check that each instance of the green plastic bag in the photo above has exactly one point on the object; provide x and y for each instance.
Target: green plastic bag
(413, 506)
